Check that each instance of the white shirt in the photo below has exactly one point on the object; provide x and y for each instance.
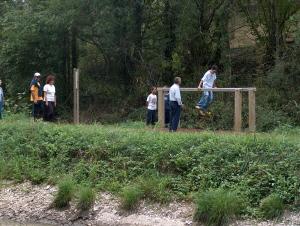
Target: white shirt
(50, 92)
(175, 94)
(152, 102)
(208, 80)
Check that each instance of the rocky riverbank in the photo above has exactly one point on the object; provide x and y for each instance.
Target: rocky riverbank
(29, 203)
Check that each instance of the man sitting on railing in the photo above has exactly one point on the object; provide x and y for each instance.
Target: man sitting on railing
(207, 82)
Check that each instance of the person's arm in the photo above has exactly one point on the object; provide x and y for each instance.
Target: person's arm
(200, 84)
(147, 101)
(202, 80)
(45, 95)
(178, 97)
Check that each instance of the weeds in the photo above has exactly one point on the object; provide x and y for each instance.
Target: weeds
(271, 207)
(217, 207)
(130, 196)
(65, 193)
(86, 198)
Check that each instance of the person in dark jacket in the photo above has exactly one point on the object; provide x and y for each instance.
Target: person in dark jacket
(167, 108)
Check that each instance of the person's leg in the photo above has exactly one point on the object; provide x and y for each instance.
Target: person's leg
(203, 103)
(51, 111)
(176, 117)
(40, 109)
(167, 117)
(210, 98)
(172, 113)
(153, 117)
(148, 117)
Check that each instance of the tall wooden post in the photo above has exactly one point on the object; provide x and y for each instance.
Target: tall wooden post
(252, 113)
(161, 107)
(238, 111)
(76, 95)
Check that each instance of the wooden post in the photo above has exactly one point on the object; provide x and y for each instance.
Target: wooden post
(238, 111)
(76, 95)
(252, 114)
(161, 108)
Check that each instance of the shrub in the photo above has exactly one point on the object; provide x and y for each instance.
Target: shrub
(86, 198)
(130, 196)
(217, 207)
(272, 207)
(64, 194)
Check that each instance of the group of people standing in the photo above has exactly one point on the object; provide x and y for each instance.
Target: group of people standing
(173, 101)
(43, 97)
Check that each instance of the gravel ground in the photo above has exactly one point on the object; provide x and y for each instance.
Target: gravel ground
(25, 203)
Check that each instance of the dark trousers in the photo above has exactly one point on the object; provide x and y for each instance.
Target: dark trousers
(49, 114)
(37, 109)
(167, 116)
(151, 117)
(175, 110)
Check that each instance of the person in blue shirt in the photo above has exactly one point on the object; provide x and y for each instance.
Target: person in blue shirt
(167, 108)
(1, 99)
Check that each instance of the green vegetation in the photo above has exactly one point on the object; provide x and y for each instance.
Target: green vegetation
(86, 198)
(130, 196)
(163, 166)
(65, 193)
(218, 207)
(122, 48)
(272, 207)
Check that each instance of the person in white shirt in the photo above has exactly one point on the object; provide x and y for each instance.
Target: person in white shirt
(49, 99)
(152, 106)
(1, 99)
(207, 82)
(175, 104)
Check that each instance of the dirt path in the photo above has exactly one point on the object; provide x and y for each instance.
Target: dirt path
(28, 203)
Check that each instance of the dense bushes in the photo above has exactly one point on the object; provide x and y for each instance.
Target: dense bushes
(110, 158)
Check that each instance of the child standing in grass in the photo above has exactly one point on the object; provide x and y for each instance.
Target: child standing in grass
(151, 107)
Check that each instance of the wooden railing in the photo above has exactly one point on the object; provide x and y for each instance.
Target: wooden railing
(237, 105)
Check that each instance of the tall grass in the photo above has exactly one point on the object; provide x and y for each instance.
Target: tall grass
(65, 193)
(218, 207)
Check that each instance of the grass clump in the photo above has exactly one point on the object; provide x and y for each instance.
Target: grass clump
(272, 207)
(155, 188)
(130, 196)
(86, 198)
(65, 193)
(217, 207)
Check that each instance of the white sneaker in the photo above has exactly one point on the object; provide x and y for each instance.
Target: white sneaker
(197, 107)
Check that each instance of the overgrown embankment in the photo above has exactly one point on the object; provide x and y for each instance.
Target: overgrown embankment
(166, 165)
